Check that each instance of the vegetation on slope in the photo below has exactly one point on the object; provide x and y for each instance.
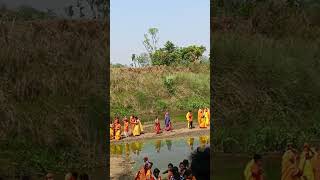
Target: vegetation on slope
(149, 91)
(266, 81)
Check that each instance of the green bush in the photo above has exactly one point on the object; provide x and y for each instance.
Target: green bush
(169, 84)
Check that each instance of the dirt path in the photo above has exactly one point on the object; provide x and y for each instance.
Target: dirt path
(180, 130)
(120, 169)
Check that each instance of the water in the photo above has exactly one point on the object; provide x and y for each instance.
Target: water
(160, 152)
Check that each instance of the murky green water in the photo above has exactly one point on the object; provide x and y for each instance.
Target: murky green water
(160, 152)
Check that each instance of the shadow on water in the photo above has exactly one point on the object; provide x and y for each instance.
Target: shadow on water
(160, 152)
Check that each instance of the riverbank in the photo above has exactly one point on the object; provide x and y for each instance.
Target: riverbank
(179, 130)
(119, 169)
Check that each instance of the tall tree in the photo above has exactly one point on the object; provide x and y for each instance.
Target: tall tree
(151, 40)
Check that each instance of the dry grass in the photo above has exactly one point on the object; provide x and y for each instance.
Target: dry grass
(52, 94)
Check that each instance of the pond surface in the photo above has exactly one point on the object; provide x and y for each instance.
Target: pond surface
(160, 152)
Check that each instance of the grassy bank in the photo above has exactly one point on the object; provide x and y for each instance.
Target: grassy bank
(52, 95)
(267, 91)
(149, 91)
(265, 75)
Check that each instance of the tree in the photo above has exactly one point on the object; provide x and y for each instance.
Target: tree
(133, 59)
(151, 44)
(143, 60)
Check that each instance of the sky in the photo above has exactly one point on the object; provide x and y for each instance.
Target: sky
(184, 22)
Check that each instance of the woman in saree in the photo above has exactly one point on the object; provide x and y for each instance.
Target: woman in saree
(316, 164)
(140, 125)
(253, 170)
(207, 116)
(117, 128)
(132, 122)
(202, 121)
(157, 128)
(136, 128)
(199, 115)
(290, 169)
(125, 127)
(305, 162)
(111, 131)
(167, 122)
(189, 119)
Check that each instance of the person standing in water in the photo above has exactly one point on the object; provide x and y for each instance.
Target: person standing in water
(167, 122)
(189, 119)
(156, 175)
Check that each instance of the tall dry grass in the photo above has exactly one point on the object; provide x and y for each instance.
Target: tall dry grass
(52, 94)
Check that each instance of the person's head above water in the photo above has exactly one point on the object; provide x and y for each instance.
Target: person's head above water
(200, 163)
(181, 166)
(185, 163)
(145, 159)
(156, 172)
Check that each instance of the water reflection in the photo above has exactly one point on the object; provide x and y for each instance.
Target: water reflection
(160, 152)
(137, 146)
(190, 142)
(204, 140)
(158, 145)
(169, 144)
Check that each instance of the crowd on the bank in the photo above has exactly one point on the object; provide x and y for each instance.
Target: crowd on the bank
(199, 169)
(294, 166)
(134, 127)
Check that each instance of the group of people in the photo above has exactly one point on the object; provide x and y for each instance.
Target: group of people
(199, 169)
(133, 126)
(203, 118)
(305, 166)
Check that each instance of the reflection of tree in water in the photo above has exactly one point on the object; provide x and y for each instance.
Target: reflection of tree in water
(190, 142)
(169, 144)
(158, 145)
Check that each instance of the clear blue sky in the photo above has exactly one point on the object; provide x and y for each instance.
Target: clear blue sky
(184, 22)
